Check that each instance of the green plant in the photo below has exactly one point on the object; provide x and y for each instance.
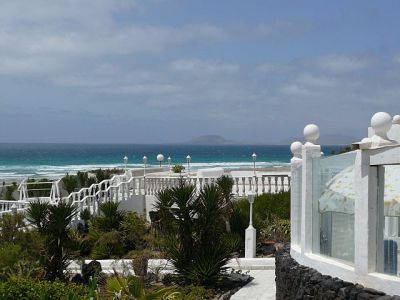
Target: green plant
(133, 228)
(225, 184)
(131, 288)
(10, 191)
(178, 169)
(70, 183)
(108, 244)
(111, 217)
(271, 216)
(275, 229)
(195, 243)
(37, 214)
(21, 288)
(55, 228)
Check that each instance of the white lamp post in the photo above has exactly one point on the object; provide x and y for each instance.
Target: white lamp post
(125, 161)
(144, 165)
(188, 158)
(250, 247)
(254, 157)
(169, 164)
(160, 158)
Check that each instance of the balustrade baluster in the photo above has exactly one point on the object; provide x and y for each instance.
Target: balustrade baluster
(250, 180)
(269, 184)
(243, 186)
(263, 184)
(256, 184)
(237, 185)
(276, 183)
(282, 183)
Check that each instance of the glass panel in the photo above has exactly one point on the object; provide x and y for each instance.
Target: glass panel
(333, 206)
(388, 221)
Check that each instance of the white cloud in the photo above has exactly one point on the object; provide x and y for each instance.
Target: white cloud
(283, 28)
(196, 66)
(396, 58)
(344, 63)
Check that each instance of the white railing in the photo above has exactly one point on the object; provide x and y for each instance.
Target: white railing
(123, 187)
(7, 206)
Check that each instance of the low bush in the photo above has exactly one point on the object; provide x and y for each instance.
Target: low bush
(178, 169)
(271, 216)
(18, 288)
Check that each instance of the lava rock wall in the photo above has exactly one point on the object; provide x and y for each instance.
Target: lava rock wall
(294, 281)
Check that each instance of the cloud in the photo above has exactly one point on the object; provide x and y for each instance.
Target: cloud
(196, 66)
(396, 58)
(344, 63)
(283, 28)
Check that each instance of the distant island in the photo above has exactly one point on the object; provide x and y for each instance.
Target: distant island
(211, 139)
(327, 139)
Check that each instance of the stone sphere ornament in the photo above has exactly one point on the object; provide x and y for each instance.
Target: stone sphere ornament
(381, 123)
(396, 119)
(296, 148)
(311, 133)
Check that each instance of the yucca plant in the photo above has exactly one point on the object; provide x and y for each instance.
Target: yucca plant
(225, 184)
(111, 217)
(195, 241)
(38, 213)
(55, 228)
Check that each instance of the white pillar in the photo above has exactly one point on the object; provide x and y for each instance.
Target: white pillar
(250, 235)
(295, 193)
(310, 151)
(365, 212)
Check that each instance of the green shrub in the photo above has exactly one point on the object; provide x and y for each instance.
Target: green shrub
(111, 217)
(275, 229)
(28, 289)
(178, 168)
(109, 245)
(10, 191)
(70, 183)
(271, 216)
(273, 204)
(133, 228)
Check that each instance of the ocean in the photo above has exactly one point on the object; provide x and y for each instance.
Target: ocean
(54, 160)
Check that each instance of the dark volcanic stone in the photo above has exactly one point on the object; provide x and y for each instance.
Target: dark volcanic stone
(294, 281)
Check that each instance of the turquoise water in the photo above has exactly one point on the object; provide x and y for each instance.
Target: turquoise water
(53, 160)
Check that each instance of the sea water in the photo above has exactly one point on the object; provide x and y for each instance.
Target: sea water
(55, 160)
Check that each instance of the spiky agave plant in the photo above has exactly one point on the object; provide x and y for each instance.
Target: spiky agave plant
(196, 245)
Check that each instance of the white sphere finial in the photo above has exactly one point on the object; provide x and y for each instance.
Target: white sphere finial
(396, 119)
(311, 133)
(381, 123)
(160, 157)
(296, 148)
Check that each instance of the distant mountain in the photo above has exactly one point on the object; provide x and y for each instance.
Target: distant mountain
(211, 139)
(327, 139)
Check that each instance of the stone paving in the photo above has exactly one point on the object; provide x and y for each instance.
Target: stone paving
(262, 287)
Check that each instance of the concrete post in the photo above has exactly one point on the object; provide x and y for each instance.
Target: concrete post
(250, 234)
(295, 193)
(309, 151)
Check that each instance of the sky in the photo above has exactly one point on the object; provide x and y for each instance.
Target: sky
(166, 71)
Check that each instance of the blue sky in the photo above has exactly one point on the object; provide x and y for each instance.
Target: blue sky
(156, 71)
